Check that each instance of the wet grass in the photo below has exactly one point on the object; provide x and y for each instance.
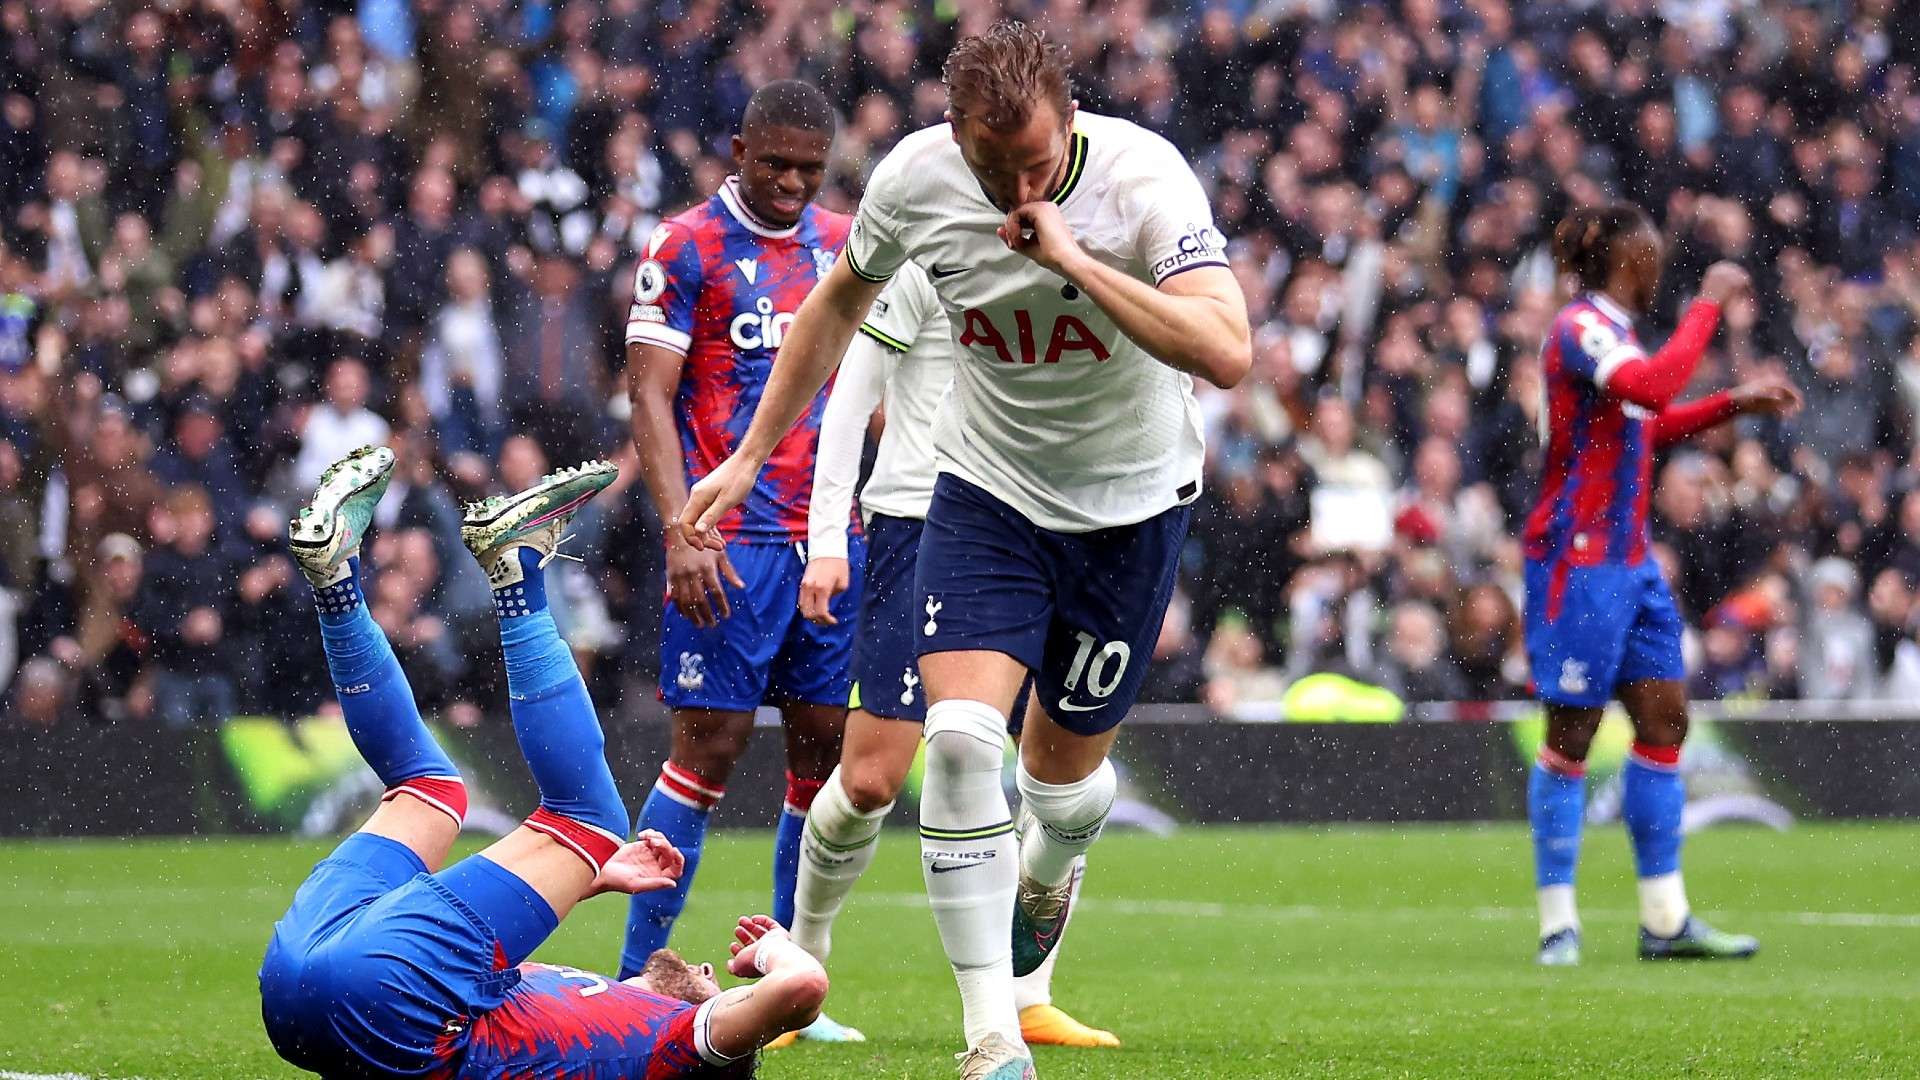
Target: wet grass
(1216, 953)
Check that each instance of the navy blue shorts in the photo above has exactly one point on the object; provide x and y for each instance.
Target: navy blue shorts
(1590, 629)
(378, 968)
(886, 672)
(1081, 610)
(764, 651)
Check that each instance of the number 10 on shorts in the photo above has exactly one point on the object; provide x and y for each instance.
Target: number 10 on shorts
(1103, 671)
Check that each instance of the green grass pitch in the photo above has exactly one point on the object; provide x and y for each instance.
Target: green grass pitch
(1239, 952)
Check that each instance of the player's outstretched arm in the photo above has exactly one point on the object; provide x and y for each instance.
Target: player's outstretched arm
(1767, 396)
(1652, 382)
(1196, 322)
(808, 354)
(788, 997)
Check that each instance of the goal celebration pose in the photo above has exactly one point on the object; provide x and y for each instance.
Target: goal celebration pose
(1076, 257)
(1600, 621)
(903, 358)
(389, 962)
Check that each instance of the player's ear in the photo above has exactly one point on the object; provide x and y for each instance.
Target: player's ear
(739, 153)
(1073, 107)
(953, 125)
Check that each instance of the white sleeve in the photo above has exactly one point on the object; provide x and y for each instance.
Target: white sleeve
(874, 251)
(1174, 222)
(857, 390)
(703, 1039)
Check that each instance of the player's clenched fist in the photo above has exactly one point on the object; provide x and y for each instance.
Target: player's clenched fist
(1724, 281)
(1037, 231)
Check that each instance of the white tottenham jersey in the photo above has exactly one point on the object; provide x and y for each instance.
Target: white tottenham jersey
(904, 360)
(1053, 411)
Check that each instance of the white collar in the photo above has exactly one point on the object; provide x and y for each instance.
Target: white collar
(1612, 309)
(737, 206)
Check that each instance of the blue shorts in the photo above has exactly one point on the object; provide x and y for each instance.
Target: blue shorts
(764, 651)
(1591, 629)
(885, 669)
(1081, 610)
(379, 968)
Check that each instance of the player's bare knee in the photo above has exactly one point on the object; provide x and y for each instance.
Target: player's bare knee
(870, 788)
(1570, 731)
(1661, 730)
(710, 744)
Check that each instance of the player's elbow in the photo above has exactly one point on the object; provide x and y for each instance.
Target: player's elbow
(1227, 363)
(799, 994)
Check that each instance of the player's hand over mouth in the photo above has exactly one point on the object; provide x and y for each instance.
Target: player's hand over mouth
(1037, 231)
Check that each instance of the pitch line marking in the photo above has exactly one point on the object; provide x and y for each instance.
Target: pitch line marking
(1202, 909)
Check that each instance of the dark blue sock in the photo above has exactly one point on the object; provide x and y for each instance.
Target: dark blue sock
(650, 917)
(1653, 796)
(521, 919)
(786, 863)
(374, 694)
(1556, 810)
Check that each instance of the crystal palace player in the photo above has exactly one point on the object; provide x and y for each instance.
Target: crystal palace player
(902, 357)
(716, 293)
(1076, 257)
(389, 965)
(1600, 621)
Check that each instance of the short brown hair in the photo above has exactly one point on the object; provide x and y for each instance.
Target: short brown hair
(999, 77)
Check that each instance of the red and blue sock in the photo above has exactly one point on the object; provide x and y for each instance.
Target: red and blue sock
(1556, 811)
(786, 844)
(557, 726)
(378, 704)
(1653, 797)
(679, 807)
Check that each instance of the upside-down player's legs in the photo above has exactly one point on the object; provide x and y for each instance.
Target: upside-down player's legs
(525, 883)
(375, 697)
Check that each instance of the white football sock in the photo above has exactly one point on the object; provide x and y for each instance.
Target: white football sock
(1663, 904)
(1036, 987)
(1557, 911)
(970, 861)
(1070, 816)
(836, 847)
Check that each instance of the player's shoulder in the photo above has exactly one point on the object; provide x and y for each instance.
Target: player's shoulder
(685, 232)
(828, 226)
(1119, 147)
(920, 161)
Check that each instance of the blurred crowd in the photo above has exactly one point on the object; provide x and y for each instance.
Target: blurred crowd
(240, 237)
